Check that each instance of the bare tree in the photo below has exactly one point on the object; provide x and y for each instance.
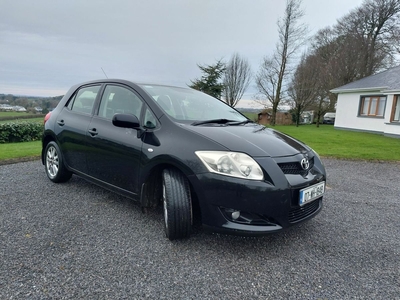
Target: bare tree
(304, 86)
(335, 61)
(237, 78)
(273, 71)
(375, 28)
(362, 43)
(267, 81)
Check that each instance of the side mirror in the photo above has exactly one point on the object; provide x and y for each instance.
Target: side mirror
(126, 121)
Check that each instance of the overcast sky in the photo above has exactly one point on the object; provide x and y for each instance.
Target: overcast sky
(48, 45)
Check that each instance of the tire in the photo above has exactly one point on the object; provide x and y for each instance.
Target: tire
(54, 164)
(177, 205)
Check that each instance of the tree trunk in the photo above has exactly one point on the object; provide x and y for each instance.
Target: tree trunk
(273, 116)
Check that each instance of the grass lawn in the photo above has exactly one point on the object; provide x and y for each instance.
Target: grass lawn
(10, 151)
(326, 140)
(251, 116)
(330, 142)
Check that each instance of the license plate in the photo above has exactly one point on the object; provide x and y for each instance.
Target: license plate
(311, 193)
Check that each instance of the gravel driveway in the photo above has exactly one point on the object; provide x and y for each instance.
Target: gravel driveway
(78, 241)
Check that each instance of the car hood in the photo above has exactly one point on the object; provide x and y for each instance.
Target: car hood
(255, 140)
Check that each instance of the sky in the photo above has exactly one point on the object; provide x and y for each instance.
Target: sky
(46, 46)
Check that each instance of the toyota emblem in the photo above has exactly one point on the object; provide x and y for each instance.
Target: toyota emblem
(305, 164)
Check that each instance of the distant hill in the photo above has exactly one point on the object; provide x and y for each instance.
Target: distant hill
(249, 110)
(30, 102)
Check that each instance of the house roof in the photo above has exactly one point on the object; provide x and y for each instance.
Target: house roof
(385, 81)
(265, 112)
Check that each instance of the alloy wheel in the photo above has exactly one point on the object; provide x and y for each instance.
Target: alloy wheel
(52, 162)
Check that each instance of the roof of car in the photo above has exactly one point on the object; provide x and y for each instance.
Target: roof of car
(125, 81)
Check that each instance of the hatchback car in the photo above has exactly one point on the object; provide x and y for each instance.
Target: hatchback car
(186, 151)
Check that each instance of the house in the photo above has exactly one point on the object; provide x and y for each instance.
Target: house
(19, 108)
(5, 107)
(281, 118)
(264, 117)
(371, 104)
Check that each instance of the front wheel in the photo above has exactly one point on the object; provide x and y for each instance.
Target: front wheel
(54, 164)
(177, 204)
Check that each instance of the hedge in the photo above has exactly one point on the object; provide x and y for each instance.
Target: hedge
(20, 132)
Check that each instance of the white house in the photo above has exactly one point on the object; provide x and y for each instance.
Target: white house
(6, 107)
(370, 104)
(19, 108)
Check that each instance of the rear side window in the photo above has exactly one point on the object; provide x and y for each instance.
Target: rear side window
(83, 100)
(119, 100)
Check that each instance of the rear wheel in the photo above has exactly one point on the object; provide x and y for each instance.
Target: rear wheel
(54, 164)
(177, 204)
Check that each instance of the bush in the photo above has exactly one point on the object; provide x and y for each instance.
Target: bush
(20, 132)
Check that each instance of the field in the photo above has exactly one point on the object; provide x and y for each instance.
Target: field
(35, 120)
(251, 116)
(14, 116)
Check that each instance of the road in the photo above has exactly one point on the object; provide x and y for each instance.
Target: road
(78, 241)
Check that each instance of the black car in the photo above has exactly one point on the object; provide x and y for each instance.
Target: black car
(187, 151)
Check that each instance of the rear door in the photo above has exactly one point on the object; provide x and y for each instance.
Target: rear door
(114, 153)
(72, 123)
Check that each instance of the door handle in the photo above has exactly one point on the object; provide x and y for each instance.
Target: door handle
(93, 132)
(61, 122)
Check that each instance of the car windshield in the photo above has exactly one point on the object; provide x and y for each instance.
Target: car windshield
(183, 104)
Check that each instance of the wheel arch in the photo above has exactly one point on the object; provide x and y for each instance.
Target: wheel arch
(151, 187)
(46, 139)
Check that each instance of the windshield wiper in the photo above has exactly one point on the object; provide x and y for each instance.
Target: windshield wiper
(241, 122)
(214, 121)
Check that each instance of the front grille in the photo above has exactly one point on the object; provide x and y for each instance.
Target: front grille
(299, 213)
(294, 168)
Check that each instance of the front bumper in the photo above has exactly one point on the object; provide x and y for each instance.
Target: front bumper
(247, 207)
(306, 212)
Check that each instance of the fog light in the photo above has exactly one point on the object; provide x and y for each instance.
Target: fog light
(235, 215)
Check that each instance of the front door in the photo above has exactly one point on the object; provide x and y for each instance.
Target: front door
(114, 152)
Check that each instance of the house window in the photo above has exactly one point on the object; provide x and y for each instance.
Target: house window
(396, 109)
(373, 106)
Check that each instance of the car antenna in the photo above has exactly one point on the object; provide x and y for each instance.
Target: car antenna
(104, 72)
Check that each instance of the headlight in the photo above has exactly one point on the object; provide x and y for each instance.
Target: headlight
(231, 164)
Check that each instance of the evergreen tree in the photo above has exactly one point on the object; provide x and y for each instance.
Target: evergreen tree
(211, 80)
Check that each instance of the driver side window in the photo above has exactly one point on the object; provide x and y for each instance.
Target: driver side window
(119, 100)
